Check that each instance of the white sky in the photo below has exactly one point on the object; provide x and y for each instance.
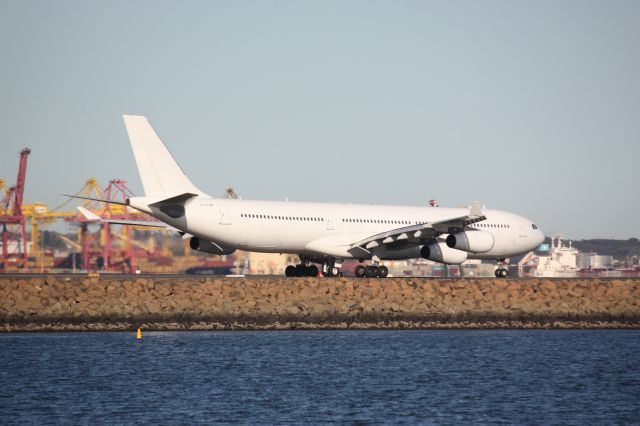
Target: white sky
(526, 106)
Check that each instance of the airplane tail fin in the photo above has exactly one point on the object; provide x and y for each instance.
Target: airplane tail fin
(159, 172)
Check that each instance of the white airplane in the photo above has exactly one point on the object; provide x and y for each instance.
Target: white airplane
(319, 233)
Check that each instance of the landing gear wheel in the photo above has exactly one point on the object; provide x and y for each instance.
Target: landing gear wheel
(360, 271)
(290, 271)
(332, 272)
(301, 271)
(371, 271)
(383, 271)
(501, 273)
(312, 271)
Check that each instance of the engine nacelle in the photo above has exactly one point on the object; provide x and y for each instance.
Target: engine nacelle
(471, 241)
(439, 252)
(209, 247)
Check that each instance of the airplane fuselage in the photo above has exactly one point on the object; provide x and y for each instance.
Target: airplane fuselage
(321, 229)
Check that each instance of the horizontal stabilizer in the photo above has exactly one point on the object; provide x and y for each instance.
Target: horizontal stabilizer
(89, 215)
(99, 200)
(92, 217)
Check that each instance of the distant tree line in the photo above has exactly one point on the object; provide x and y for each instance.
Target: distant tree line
(619, 249)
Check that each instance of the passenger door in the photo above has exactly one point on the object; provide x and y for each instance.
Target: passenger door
(330, 222)
(523, 231)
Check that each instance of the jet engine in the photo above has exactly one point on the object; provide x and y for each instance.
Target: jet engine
(439, 252)
(471, 241)
(209, 247)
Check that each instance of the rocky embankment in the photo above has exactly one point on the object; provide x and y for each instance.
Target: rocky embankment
(58, 303)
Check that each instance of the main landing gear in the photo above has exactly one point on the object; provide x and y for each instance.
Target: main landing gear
(330, 268)
(503, 269)
(301, 270)
(371, 271)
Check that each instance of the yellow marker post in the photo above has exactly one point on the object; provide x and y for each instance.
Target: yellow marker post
(139, 336)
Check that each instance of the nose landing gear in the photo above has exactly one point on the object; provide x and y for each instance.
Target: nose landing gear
(502, 270)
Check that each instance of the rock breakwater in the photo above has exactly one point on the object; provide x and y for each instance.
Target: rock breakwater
(57, 303)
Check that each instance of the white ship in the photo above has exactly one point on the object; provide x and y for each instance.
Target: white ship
(561, 262)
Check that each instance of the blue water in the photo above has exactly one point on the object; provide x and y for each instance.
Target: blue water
(352, 377)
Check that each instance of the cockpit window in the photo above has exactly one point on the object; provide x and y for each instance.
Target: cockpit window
(534, 226)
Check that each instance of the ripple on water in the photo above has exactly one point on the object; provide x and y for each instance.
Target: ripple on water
(570, 377)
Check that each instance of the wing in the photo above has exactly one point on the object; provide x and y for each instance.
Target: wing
(420, 233)
(95, 218)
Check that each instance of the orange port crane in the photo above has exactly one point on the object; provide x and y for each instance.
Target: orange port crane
(11, 209)
(116, 190)
(3, 187)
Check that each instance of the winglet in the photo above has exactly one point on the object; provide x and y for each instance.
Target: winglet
(476, 209)
(89, 215)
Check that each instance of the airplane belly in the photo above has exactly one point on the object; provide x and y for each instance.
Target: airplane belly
(280, 238)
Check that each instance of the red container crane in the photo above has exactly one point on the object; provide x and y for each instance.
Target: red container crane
(11, 209)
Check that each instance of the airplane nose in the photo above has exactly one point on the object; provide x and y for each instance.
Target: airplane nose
(540, 237)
